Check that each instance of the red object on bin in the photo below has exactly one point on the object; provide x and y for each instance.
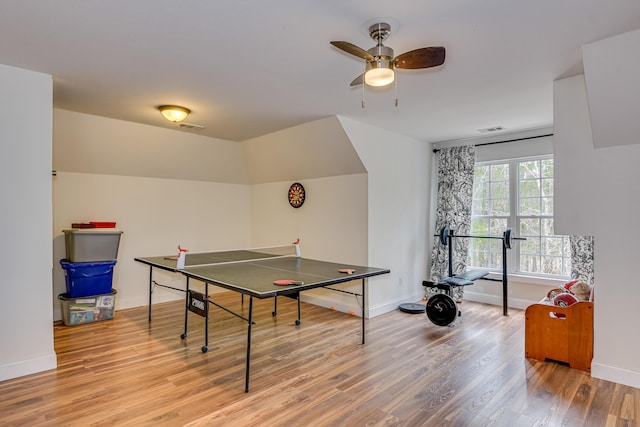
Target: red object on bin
(103, 224)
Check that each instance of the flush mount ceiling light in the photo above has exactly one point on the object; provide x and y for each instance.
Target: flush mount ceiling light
(174, 113)
(379, 72)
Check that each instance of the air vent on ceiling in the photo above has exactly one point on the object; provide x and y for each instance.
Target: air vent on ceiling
(491, 129)
(190, 126)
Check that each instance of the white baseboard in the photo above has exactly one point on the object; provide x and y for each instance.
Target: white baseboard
(346, 305)
(349, 305)
(393, 305)
(335, 304)
(28, 367)
(616, 375)
(497, 300)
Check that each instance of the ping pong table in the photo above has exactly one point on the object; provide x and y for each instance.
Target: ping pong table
(253, 272)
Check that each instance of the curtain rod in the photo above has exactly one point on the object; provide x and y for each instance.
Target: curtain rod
(435, 150)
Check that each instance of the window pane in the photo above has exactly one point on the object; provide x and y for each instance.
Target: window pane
(529, 262)
(480, 174)
(500, 172)
(500, 207)
(547, 187)
(551, 245)
(566, 247)
(531, 246)
(529, 188)
(480, 190)
(497, 226)
(496, 260)
(551, 265)
(479, 207)
(546, 206)
(529, 206)
(529, 227)
(546, 226)
(529, 170)
(479, 225)
(544, 252)
(547, 168)
(499, 190)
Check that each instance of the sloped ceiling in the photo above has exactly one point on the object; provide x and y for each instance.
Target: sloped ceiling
(84, 143)
(313, 150)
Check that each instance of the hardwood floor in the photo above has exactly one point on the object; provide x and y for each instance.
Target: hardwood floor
(410, 372)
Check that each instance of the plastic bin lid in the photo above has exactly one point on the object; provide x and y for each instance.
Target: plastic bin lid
(93, 231)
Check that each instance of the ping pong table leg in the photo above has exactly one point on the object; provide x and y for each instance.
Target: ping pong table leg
(246, 379)
(205, 347)
(363, 302)
(186, 310)
(275, 306)
(150, 289)
(298, 299)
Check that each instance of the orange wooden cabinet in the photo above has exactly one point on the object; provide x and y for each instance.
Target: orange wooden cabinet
(563, 334)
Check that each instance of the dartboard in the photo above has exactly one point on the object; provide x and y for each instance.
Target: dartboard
(296, 195)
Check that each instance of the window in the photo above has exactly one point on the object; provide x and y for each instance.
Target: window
(517, 194)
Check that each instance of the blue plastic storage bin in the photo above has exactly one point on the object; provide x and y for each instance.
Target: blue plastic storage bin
(88, 278)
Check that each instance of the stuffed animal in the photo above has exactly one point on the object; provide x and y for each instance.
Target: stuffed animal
(581, 290)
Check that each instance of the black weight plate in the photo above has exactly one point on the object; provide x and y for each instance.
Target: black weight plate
(507, 238)
(412, 308)
(441, 309)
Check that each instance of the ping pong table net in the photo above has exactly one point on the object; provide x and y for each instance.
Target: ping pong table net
(241, 255)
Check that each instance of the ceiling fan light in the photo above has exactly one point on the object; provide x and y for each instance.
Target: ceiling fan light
(174, 113)
(379, 73)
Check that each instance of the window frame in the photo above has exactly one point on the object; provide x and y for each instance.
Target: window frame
(514, 219)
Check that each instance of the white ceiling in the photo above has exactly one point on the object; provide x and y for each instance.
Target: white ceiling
(251, 67)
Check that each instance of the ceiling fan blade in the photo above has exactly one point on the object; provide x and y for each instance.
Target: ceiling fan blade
(425, 57)
(358, 80)
(353, 50)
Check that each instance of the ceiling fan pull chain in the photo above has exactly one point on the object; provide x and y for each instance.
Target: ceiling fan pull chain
(396, 90)
(363, 84)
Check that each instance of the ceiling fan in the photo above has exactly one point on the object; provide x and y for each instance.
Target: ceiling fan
(380, 62)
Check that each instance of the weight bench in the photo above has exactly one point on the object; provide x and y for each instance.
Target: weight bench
(441, 308)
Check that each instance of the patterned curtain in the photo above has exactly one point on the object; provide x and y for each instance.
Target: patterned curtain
(453, 207)
(582, 258)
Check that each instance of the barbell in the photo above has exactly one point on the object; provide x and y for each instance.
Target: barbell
(507, 237)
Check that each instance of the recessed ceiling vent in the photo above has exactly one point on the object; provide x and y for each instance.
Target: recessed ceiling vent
(491, 129)
(190, 126)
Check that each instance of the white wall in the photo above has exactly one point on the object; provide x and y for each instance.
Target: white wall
(156, 215)
(26, 331)
(162, 187)
(398, 211)
(598, 191)
(331, 224)
(612, 74)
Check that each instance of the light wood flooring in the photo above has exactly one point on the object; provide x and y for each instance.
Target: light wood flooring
(128, 372)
